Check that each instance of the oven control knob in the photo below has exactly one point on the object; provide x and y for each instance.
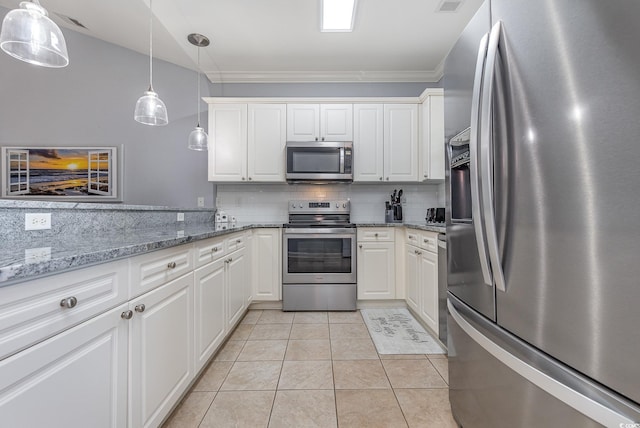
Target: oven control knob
(293, 205)
(337, 205)
(300, 205)
(344, 205)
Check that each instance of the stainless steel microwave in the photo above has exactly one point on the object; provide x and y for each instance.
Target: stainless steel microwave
(319, 161)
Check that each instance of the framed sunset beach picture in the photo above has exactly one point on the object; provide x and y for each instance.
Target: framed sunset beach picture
(60, 173)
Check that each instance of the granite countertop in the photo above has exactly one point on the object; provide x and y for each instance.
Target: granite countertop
(429, 227)
(19, 262)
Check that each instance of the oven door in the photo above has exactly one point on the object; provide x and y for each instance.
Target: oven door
(319, 255)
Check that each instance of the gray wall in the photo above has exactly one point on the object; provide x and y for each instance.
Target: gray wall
(91, 102)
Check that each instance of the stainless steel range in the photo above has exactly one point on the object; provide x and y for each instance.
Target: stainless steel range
(319, 257)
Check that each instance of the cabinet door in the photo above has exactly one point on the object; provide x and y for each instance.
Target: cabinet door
(227, 142)
(412, 270)
(160, 351)
(368, 142)
(267, 264)
(376, 270)
(336, 122)
(266, 142)
(237, 278)
(432, 138)
(209, 310)
(77, 378)
(303, 122)
(429, 289)
(401, 142)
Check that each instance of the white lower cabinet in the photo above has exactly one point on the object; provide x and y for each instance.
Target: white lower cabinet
(210, 320)
(421, 263)
(266, 267)
(376, 263)
(236, 286)
(161, 362)
(77, 378)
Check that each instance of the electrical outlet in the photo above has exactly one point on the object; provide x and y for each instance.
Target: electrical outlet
(200, 201)
(36, 255)
(180, 216)
(37, 221)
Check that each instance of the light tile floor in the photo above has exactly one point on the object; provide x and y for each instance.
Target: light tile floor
(314, 369)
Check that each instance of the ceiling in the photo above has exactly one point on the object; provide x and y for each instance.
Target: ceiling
(278, 40)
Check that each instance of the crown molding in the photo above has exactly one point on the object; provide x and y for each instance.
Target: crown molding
(325, 76)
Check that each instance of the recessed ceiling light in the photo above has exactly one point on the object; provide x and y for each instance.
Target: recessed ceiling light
(337, 15)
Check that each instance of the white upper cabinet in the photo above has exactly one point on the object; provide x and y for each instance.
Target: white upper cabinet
(400, 142)
(368, 142)
(247, 142)
(319, 122)
(228, 142)
(432, 142)
(266, 142)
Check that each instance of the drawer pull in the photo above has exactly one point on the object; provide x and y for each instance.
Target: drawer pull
(140, 308)
(214, 250)
(376, 235)
(126, 315)
(69, 302)
(172, 265)
(238, 241)
(360, 245)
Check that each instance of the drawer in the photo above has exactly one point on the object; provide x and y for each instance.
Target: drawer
(412, 237)
(236, 241)
(429, 241)
(148, 271)
(208, 250)
(35, 310)
(376, 234)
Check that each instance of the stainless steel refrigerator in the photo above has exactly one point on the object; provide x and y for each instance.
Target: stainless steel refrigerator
(542, 118)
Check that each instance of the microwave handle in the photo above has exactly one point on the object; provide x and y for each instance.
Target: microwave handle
(342, 161)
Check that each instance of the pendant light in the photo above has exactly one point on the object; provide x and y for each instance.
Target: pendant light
(198, 139)
(150, 110)
(29, 35)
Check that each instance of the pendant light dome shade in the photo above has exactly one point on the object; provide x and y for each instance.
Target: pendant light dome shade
(198, 139)
(29, 35)
(150, 110)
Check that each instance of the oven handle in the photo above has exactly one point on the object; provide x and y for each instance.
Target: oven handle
(320, 232)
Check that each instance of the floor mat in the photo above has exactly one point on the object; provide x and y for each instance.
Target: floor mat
(395, 331)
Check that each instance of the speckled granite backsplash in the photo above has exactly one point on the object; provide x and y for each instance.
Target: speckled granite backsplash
(79, 219)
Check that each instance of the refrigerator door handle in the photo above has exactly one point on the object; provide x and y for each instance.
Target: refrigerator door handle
(474, 164)
(486, 157)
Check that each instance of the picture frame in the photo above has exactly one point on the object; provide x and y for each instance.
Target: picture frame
(85, 173)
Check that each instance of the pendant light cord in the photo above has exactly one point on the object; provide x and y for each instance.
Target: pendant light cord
(151, 45)
(198, 83)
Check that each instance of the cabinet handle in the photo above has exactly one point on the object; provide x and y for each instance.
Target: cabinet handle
(322, 138)
(69, 302)
(387, 178)
(426, 175)
(214, 250)
(316, 138)
(250, 178)
(243, 178)
(126, 315)
(140, 308)
(238, 241)
(376, 235)
(360, 245)
(172, 265)
(380, 178)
